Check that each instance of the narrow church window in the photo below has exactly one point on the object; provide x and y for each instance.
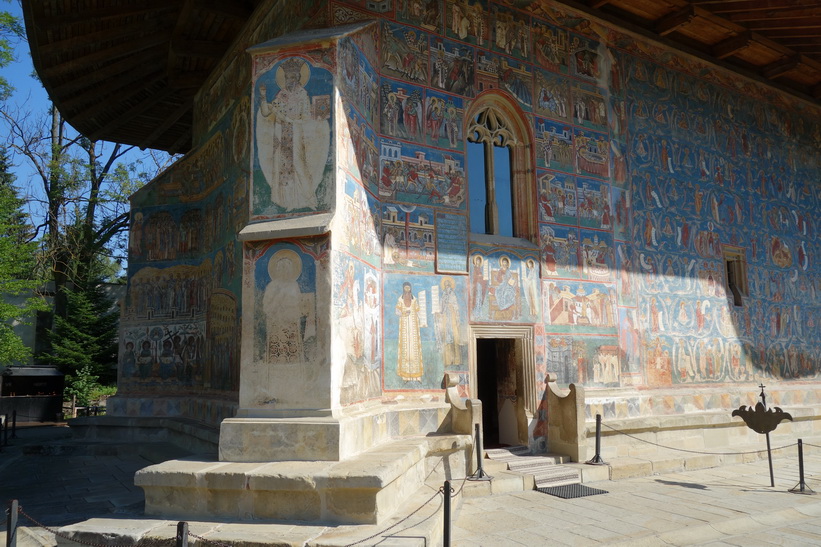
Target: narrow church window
(501, 179)
(736, 269)
(489, 182)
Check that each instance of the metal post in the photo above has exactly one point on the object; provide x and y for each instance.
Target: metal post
(13, 424)
(770, 458)
(480, 474)
(11, 524)
(801, 487)
(597, 459)
(182, 534)
(446, 535)
(6, 430)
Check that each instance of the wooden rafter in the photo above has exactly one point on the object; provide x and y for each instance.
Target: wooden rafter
(780, 67)
(170, 120)
(733, 45)
(131, 112)
(675, 20)
(130, 48)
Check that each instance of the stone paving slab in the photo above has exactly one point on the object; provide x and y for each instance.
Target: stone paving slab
(730, 505)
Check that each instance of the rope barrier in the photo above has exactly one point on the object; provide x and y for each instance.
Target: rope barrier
(697, 451)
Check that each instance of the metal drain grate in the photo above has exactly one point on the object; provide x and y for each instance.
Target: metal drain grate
(570, 491)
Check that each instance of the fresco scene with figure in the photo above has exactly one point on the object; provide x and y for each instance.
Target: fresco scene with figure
(292, 136)
(665, 213)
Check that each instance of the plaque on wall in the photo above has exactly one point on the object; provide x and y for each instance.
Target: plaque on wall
(451, 243)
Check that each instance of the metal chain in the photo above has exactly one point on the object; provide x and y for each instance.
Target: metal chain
(144, 542)
(58, 534)
(395, 524)
(209, 541)
(696, 451)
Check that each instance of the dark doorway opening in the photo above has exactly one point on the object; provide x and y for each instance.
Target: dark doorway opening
(496, 384)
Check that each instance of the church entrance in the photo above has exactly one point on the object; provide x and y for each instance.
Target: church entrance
(503, 378)
(496, 379)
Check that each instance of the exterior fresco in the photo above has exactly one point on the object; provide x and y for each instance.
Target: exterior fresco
(292, 136)
(425, 319)
(648, 168)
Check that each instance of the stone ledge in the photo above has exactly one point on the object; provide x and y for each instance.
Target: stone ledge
(365, 489)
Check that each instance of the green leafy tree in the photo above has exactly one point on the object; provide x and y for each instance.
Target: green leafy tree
(17, 267)
(81, 385)
(11, 32)
(86, 339)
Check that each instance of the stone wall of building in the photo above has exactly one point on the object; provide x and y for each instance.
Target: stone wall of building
(649, 170)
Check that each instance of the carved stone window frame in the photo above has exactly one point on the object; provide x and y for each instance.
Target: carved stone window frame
(495, 119)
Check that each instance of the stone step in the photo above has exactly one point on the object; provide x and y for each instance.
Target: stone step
(365, 489)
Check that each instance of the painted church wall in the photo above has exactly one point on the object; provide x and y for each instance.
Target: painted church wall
(285, 293)
(649, 165)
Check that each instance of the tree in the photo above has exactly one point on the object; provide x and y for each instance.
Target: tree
(11, 31)
(86, 339)
(82, 188)
(17, 267)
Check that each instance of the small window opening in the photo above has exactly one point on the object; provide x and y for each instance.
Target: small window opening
(736, 269)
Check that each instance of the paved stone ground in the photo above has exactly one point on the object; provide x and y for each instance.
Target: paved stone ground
(59, 482)
(729, 505)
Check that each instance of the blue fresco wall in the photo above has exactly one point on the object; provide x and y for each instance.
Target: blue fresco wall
(648, 166)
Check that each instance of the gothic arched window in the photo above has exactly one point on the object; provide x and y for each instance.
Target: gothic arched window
(500, 176)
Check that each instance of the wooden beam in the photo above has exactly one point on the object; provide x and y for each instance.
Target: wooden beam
(105, 102)
(230, 10)
(84, 64)
(188, 80)
(780, 67)
(675, 20)
(120, 120)
(731, 46)
(816, 91)
(198, 48)
(109, 71)
(596, 4)
(92, 38)
(117, 11)
(132, 79)
(170, 120)
(788, 25)
(773, 15)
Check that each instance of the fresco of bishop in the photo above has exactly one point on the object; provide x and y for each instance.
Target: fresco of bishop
(292, 143)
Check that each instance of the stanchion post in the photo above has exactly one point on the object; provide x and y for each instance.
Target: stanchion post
(801, 487)
(182, 534)
(14, 424)
(446, 532)
(770, 459)
(480, 474)
(6, 430)
(11, 524)
(597, 459)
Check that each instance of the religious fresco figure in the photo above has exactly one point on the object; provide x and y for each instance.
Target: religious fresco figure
(285, 308)
(292, 143)
(448, 322)
(409, 364)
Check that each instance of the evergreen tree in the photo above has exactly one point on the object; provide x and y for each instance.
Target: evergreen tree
(17, 266)
(87, 337)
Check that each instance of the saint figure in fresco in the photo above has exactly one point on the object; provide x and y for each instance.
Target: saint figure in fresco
(409, 355)
(448, 324)
(292, 143)
(286, 308)
(505, 290)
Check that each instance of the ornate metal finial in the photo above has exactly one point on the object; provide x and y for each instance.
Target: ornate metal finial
(763, 397)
